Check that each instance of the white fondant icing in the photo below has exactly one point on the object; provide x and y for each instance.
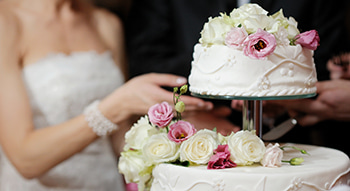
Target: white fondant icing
(321, 170)
(290, 70)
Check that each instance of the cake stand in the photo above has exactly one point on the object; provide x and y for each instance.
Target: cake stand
(252, 108)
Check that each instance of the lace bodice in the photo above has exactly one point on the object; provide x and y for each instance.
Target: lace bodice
(59, 87)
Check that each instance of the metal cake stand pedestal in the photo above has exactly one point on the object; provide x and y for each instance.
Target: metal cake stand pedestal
(252, 108)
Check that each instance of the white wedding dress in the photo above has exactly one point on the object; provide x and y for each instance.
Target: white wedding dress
(60, 87)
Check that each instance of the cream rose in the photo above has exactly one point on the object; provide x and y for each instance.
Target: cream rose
(130, 164)
(251, 16)
(199, 148)
(253, 9)
(292, 28)
(282, 37)
(214, 31)
(245, 147)
(160, 149)
(235, 37)
(273, 156)
(139, 133)
(277, 21)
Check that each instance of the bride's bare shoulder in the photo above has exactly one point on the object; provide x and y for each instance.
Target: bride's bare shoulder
(8, 16)
(109, 25)
(9, 33)
(105, 18)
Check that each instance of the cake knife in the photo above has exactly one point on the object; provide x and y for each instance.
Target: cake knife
(280, 130)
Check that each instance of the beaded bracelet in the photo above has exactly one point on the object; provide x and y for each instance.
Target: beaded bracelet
(97, 121)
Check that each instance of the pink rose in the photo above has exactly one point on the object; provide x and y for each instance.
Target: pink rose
(235, 37)
(273, 156)
(221, 158)
(160, 114)
(260, 44)
(181, 131)
(308, 39)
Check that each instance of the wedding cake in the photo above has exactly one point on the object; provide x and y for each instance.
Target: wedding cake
(248, 53)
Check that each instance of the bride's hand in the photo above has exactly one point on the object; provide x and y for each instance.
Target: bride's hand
(138, 94)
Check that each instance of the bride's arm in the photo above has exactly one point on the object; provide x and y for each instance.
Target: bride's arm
(32, 152)
(35, 151)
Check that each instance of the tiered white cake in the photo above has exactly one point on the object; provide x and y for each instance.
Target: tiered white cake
(246, 53)
(228, 61)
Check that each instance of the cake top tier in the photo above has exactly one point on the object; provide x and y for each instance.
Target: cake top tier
(250, 54)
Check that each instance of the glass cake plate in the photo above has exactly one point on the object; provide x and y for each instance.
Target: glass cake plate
(254, 97)
(252, 108)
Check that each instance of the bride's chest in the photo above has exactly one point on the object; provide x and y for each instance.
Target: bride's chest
(60, 86)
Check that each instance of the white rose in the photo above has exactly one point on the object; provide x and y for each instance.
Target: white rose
(199, 148)
(277, 21)
(282, 37)
(253, 23)
(245, 147)
(251, 16)
(253, 9)
(214, 31)
(139, 133)
(160, 149)
(130, 164)
(273, 156)
(292, 28)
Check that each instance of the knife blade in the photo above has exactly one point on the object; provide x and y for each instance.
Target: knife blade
(280, 130)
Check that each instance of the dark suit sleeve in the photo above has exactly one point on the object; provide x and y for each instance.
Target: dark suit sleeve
(161, 34)
(151, 38)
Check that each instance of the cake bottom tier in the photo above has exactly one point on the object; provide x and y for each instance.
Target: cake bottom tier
(321, 170)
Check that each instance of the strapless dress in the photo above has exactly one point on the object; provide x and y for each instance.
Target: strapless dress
(60, 86)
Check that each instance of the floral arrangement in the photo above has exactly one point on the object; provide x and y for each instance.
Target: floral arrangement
(250, 29)
(162, 136)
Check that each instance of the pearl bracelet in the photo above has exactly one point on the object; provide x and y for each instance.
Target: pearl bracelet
(97, 121)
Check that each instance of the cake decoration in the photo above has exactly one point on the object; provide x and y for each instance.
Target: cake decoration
(160, 137)
(249, 27)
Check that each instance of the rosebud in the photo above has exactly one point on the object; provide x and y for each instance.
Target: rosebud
(304, 152)
(183, 89)
(309, 39)
(296, 161)
(180, 106)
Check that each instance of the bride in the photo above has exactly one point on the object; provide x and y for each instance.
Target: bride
(62, 100)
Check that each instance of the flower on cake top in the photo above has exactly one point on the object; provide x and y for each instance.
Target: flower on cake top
(259, 45)
(246, 148)
(308, 39)
(267, 31)
(221, 158)
(236, 37)
(273, 156)
(180, 131)
(199, 148)
(160, 114)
